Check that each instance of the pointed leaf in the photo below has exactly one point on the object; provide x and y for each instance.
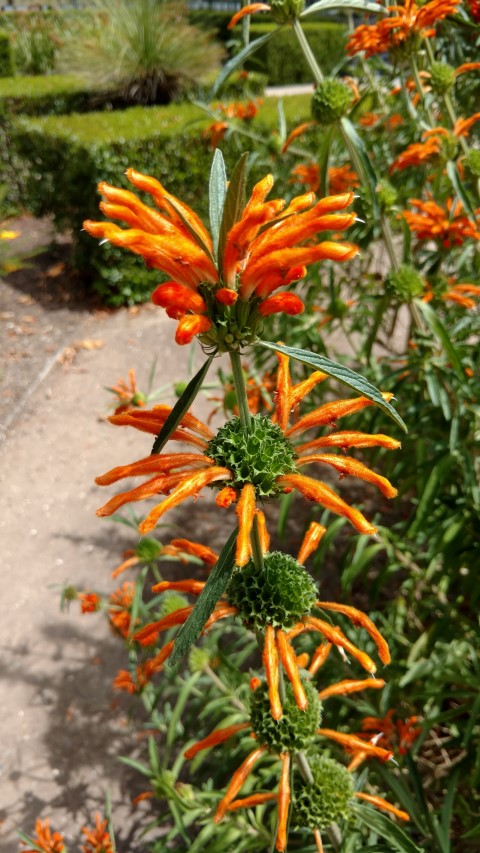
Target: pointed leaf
(440, 332)
(452, 172)
(212, 591)
(386, 828)
(217, 193)
(234, 203)
(238, 60)
(191, 230)
(362, 5)
(343, 374)
(181, 407)
(361, 159)
(324, 159)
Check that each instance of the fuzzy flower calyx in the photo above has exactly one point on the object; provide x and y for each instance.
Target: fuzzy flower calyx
(223, 300)
(331, 101)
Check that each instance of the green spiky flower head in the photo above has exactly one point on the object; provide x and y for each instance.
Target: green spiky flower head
(258, 455)
(295, 729)
(172, 602)
(148, 549)
(331, 101)
(405, 282)
(279, 594)
(471, 163)
(284, 11)
(327, 800)
(442, 77)
(387, 194)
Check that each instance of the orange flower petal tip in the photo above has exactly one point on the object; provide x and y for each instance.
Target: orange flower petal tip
(190, 326)
(286, 303)
(250, 9)
(226, 296)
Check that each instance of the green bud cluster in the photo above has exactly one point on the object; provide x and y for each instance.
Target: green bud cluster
(293, 731)
(172, 602)
(331, 101)
(279, 594)
(327, 800)
(442, 77)
(405, 282)
(233, 326)
(471, 163)
(198, 659)
(258, 455)
(148, 549)
(284, 11)
(387, 194)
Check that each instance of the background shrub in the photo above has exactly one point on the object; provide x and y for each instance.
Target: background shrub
(6, 55)
(281, 58)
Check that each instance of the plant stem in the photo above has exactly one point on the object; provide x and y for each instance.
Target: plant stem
(221, 686)
(356, 160)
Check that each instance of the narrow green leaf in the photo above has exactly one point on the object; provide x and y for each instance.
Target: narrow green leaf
(31, 843)
(386, 828)
(361, 159)
(430, 492)
(234, 203)
(214, 588)
(343, 374)
(217, 193)
(182, 406)
(191, 230)
(238, 60)
(324, 159)
(362, 5)
(452, 172)
(447, 806)
(440, 332)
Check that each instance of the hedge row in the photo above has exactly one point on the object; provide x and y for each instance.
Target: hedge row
(6, 55)
(281, 58)
(33, 96)
(65, 157)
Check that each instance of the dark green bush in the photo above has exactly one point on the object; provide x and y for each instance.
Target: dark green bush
(281, 58)
(6, 55)
(33, 96)
(63, 159)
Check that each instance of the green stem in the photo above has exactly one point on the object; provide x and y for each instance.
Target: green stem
(240, 389)
(356, 160)
(418, 84)
(224, 689)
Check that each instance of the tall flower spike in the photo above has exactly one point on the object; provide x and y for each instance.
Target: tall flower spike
(263, 251)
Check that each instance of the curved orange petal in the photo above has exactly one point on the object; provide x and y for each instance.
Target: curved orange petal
(191, 586)
(216, 737)
(351, 742)
(289, 661)
(311, 541)
(344, 439)
(155, 463)
(250, 9)
(205, 554)
(324, 495)
(270, 663)
(192, 485)
(382, 804)
(342, 688)
(286, 303)
(319, 657)
(346, 465)
(336, 636)
(283, 803)
(190, 326)
(360, 619)
(237, 781)
(245, 512)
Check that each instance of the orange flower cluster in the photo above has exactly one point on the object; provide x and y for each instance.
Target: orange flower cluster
(98, 839)
(127, 393)
(45, 840)
(268, 248)
(461, 294)
(449, 227)
(406, 20)
(216, 131)
(341, 179)
(398, 735)
(182, 475)
(419, 153)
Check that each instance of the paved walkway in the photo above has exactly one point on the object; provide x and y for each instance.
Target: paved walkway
(60, 737)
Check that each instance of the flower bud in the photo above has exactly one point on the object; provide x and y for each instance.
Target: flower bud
(387, 194)
(331, 101)
(471, 163)
(284, 11)
(325, 801)
(405, 282)
(442, 77)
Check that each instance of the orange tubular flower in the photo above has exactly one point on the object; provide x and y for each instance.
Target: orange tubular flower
(183, 475)
(432, 222)
(127, 393)
(268, 248)
(98, 839)
(407, 22)
(461, 294)
(45, 840)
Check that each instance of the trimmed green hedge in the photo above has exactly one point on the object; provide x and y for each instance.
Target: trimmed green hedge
(281, 58)
(65, 157)
(6, 55)
(33, 96)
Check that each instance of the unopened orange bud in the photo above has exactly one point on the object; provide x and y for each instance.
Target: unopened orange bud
(226, 296)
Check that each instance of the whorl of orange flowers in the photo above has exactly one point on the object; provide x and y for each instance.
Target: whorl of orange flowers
(405, 21)
(268, 248)
(449, 227)
(183, 475)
